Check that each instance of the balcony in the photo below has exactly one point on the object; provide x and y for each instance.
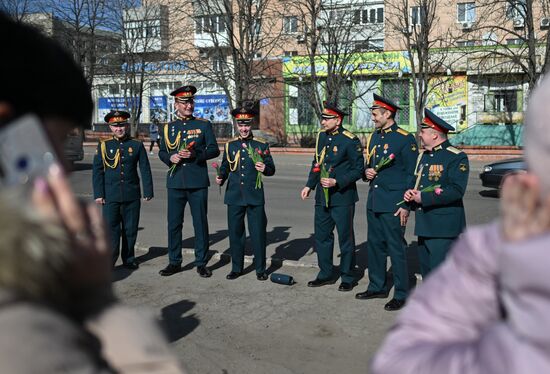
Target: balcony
(211, 40)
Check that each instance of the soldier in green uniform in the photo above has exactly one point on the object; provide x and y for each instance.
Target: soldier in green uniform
(337, 165)
(185, 146)
(245, 193)
(391, 156)
(439, 212)
(116, 185)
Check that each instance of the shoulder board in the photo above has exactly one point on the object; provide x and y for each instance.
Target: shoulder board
(349, 134)
(234, 139)
(105, 139)
(454, 150)
(201, 119)
(402, 132)
(260, 140)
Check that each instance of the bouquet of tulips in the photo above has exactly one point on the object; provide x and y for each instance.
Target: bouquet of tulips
(216, 166)
(182, 146)
(384, 161)
(324, 173)
(436, 188)
(256, 155)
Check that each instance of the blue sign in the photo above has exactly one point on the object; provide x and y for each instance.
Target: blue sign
(156, 66)
(158, 107)
(214, 108)
(106, 104)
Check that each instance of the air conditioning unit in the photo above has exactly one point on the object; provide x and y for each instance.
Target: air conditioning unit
(545, 23)
(519, 23)
(301, 38)
(203, 53)
(466, 25)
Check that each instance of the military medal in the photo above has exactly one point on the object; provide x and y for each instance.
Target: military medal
(335, 149)
(130, 150)
(386, 146)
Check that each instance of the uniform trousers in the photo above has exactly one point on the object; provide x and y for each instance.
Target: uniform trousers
(257, 223)
(325, 221)
(122, 219)
(198, 202)
(385, 237)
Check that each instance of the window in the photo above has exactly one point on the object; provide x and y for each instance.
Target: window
(256, 27)
(503, 101)
(218, 63)
(418, 15)
(371, 15)
(466, 12)
(516, 9)
(291, 53)
(466, 43)
(489, 38)
(210, 24)
(516, 41)
(290, 24)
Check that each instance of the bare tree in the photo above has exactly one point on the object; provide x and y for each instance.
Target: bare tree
(229, 43)
(415, 25)
(78, 28)
(141, 46)
(510, 31)
(335, 35)
(17, 9)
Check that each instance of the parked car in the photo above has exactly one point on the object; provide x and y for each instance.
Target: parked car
(493, 173)
(74, 145)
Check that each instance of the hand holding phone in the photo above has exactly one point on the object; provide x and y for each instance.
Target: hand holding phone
(25, 151)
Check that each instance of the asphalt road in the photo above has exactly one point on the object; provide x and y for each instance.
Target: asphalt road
(247, 326)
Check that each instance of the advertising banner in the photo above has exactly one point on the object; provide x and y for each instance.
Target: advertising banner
(368, 63)
(214, 108)
(106, 104)
(448, 100)
(158, 108)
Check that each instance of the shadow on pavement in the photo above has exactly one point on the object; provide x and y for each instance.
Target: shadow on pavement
(174, 323)
(213, 238)
(152, 253)
(292, 250)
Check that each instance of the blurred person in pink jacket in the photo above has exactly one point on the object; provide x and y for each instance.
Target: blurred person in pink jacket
(486, 310)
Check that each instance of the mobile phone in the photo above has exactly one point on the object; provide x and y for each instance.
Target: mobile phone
(25, 151)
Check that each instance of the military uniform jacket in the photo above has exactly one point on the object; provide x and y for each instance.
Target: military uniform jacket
(115, 176)
(391, 182)
(193, 172)
(342, 155)
(442, 216)
(239, 171)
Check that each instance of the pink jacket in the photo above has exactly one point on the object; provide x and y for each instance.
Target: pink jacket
(485, 310)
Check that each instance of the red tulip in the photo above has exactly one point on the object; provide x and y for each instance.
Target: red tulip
(215, 165)
(190, 145)
(244, 145)
(438, 191)
(392, 156)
